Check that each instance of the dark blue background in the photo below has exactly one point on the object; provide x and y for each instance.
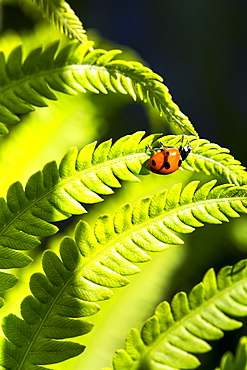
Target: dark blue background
(198, 47)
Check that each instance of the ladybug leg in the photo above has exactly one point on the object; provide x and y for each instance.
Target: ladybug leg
(148, 147)
(158, 149)
(163, 146)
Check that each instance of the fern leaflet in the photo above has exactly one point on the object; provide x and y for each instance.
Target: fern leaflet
(229, 362)
(77, 69)
(96, 261)
(176, 332)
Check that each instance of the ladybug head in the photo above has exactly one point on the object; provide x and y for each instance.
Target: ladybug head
(185, 151)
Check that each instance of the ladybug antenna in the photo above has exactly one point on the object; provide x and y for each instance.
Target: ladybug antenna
(182, 141)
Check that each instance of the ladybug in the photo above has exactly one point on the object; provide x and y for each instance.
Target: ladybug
(167, 159)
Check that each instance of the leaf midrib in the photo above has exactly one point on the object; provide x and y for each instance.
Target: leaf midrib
(57, 70)
(193, 312)
(94, 257)
(66, 181)
(156, 219)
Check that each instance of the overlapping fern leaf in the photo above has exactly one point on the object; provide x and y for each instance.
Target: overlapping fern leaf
(96, 261)
(24, 85)
(239, 362)
(176, 332)
(54, 194)
(60, 13)
(211, 159)
(51, 314)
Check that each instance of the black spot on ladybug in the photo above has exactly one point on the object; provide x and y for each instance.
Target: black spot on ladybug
(167, 154)
(180, 162)
(153, 162)
(167, 165)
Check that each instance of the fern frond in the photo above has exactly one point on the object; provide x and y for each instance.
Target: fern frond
(176, 332)
(64, 18)
(77, 69)
(96, 261)
(239, 362)
(60, 298)
(54, 194)
(211, 159)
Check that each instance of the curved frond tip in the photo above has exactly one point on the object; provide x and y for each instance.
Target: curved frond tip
(64, 18)
(210, 158)
(170, 339)
(77, 68)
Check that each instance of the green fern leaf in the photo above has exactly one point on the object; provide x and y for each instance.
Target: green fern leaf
(64, 18)
(77, 68)
(228, 361)
(96, 261)
(176, 332)
(53, 313)
(210, 158)
(153, 225)
(54, 194)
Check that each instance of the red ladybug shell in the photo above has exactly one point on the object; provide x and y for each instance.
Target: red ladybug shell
(165, 162)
